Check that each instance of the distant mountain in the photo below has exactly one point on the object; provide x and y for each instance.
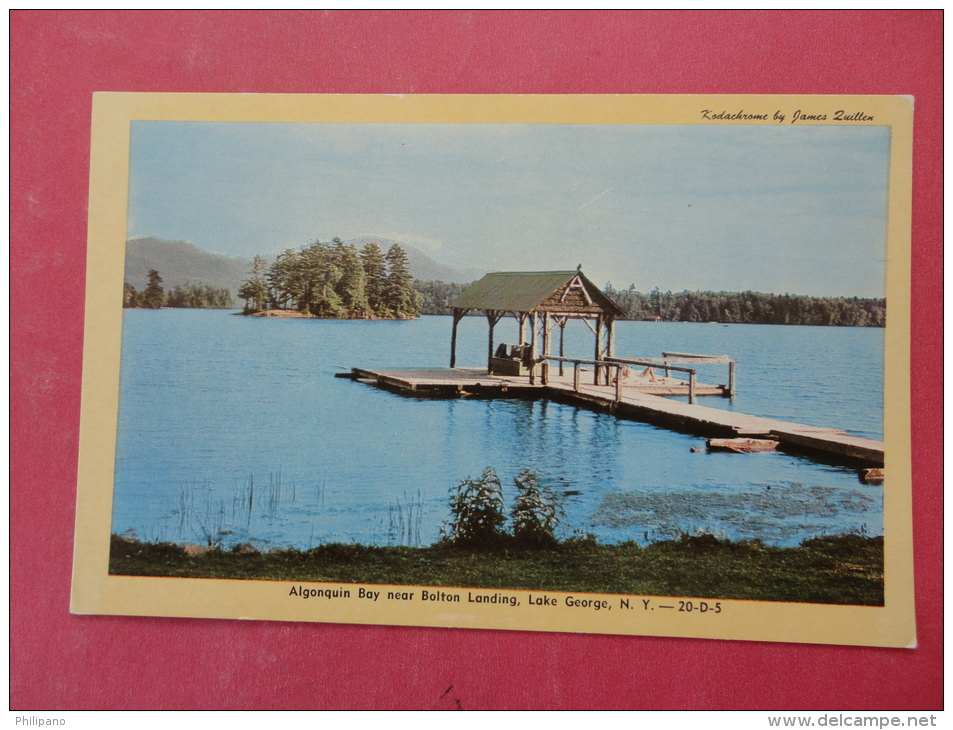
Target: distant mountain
(180, 263)
(422, 267)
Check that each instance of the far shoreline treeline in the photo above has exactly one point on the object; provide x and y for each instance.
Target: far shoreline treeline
(723, 307)
(337, 281)
(188, 296)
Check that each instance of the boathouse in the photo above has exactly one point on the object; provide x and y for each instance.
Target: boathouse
(540, 301)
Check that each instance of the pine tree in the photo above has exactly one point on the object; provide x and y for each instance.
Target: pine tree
(351, 286)
(154, 295)
(375, 277)
(399, 296)
(255, 290)
(322, 274)
(284, 279)
(130, 297)
(308, 268)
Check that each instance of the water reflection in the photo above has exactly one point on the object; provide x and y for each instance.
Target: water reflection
(235, 430)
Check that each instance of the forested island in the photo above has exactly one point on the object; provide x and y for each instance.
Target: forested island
(334, 280)
(725, 307)
(329, 280)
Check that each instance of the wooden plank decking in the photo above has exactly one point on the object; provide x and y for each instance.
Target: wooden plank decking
(641, 399)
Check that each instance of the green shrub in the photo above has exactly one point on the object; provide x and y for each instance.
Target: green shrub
(476, 508)
(536, 512)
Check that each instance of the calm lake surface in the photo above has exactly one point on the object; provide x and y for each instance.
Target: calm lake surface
(233, 429)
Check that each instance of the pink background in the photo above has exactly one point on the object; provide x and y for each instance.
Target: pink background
(58, 59)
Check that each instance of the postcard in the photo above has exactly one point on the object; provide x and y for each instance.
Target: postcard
(629, 365)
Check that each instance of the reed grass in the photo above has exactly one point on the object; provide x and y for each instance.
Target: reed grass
(405, 520)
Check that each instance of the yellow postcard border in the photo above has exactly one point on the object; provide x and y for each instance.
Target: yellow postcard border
(94, 591)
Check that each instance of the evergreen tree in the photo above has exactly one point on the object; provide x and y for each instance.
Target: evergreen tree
(324, 274)
(255, 289)
(351, 286)
(285, 284)
(375, 276)
(399, 296)
(308, 267)
(130, 297)
(154, 295)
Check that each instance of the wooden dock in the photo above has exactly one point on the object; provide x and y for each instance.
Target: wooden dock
(640, 397)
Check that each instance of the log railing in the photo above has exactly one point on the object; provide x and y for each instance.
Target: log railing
(668, 367)
(689, 357)
(616, 363)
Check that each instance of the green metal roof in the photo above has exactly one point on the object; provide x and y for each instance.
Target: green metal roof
(522, 291)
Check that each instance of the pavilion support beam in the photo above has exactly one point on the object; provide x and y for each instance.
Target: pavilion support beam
(562, 341)
(545, 364)
(533, 347)
(598, 368)
(492, 317)
(458, 314)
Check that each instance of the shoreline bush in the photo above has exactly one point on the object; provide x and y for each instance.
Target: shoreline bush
(478, 519)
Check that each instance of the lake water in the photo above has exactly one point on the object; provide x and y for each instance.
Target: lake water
(233, 429)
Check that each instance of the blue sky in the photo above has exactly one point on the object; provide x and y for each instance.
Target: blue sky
(720, 207)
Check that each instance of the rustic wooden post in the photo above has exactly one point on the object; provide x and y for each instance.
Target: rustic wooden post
(618, 383)
(457, 316)
(731, 378)
(489, 357)
(544, 367)
(532, 348)
(610, 349)
(562, 342)
(492, 317)
(575, 376)
(691, 387)
(522, 319)
(596, 368)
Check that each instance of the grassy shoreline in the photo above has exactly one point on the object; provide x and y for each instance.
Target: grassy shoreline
(845, 569)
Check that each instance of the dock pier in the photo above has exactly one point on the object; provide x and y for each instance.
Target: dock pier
(543, 302)
(640, 397)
